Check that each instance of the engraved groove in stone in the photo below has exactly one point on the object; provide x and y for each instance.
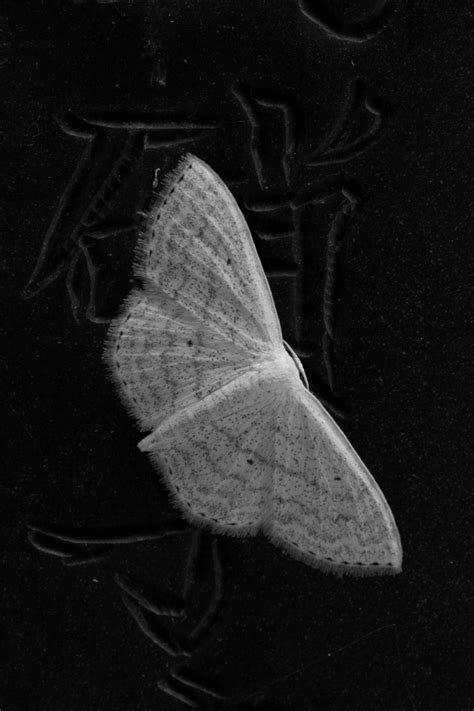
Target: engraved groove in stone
(210, 613)
(190, 569)
(172, 690)
(334, 241)
(289, 120)
(341, 145)
(161, 638)
(163, 610)
(358, 31)
(254, 132)
(252, 101)
(146, 122)
(189, 679)
(112, 536)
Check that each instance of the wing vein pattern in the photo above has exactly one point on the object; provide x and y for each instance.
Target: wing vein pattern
(198, 359)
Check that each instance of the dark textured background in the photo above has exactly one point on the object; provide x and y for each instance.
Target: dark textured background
(286, 636)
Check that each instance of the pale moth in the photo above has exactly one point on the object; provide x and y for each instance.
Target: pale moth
(199, 360)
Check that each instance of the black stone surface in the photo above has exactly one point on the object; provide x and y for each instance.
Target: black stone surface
(378, 97)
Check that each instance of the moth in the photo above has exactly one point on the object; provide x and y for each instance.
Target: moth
(199, 360)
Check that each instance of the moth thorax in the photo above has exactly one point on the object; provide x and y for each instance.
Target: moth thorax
(284, 365)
